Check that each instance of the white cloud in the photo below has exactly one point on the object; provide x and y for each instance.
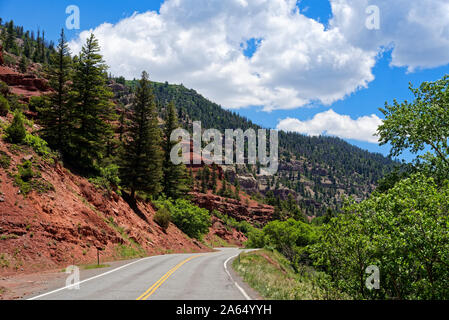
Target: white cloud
(199, 43)
(417, 31)
(334, 124)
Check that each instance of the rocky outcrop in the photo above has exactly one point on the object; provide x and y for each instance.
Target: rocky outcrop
(229, 235)
(26, 85)
(254, 213)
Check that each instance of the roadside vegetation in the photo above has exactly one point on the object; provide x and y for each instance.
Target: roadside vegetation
(402, 229)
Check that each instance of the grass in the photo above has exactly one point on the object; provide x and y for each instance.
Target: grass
(96, 266)
(270, 274)
(8, 236)
(218, 242)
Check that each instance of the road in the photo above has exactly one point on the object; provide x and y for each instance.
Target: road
(205, 276)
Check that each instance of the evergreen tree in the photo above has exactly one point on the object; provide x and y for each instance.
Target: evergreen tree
(175, 176)
(16, 132)
(141, 158)
(54, 115)
(92, 110)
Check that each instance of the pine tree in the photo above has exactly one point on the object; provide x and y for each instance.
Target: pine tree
(175, 176)
(10, 42)
(16, 132)
(54, 115)
(141, 158)
(93, 110)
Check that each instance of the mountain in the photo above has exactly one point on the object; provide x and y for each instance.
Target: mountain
(318, 172)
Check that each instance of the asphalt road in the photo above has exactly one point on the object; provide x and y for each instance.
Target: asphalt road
(206, 276)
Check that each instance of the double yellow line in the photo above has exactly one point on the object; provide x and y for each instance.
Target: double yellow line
(154, 287)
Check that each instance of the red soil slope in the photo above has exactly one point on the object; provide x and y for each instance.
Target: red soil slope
(67, 225)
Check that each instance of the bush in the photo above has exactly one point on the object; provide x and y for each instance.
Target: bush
(4, 89)
(4, 106)
(38, 144)
(404, 232)
(26, 171)
(108, 179)
(5, 160)
(192, 220)
(15, 104)
(162, 218)
(16, 132)
(37, 103)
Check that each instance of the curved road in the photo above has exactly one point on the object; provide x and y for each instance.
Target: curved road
(205, 276)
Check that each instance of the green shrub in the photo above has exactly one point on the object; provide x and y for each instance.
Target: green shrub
(26, 171)
(37, 103)
(38, 144)
(404, 232)
(162, 218)
(15, 103)
(4, 106)
(192, 220)
(290, 238)
(108, 178)
(16, 132)
(4, 89)
(5, 160)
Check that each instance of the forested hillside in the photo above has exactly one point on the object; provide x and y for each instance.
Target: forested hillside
(317, 171)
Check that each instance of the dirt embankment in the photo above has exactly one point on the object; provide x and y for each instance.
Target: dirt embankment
(66, 219)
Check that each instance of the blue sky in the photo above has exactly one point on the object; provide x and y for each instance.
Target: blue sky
(389, 81)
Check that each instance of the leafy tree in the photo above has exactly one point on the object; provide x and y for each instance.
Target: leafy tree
(175, 176)
(55, 112)
(404, 232)
(92, 111)
(420, 126)
(16, 132)
(141, 159)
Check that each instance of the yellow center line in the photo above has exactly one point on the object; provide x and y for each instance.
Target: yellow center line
(157, 284)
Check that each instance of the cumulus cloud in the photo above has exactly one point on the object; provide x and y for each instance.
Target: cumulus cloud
(298, 60)
(334, 124)
(201, 44)
(416, 31)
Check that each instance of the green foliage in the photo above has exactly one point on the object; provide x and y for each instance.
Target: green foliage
(421, 125)
(15, 103)
(5, 160)
(38, 144)
(162, 218)
(272, 276)
(4, 106)
(26, 171)
(289, 237)
(4, 89)
(54, 111)
(16, 132)
(192, 220)
(175, 181)
(90, 128)
(141, 157)
(38, 103)
(404, 232)
(108, 178)
(242, 226)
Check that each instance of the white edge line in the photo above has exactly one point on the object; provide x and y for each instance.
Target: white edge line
(247, 297)
(89, 279)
